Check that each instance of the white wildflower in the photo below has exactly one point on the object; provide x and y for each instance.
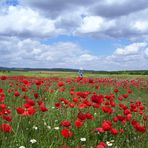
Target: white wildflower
(127, 140)
(22, 147)
(83, 139)
(56, 128)
(49, 127)
(35, 127)
(109, 143)
(33, 141)
(56, 121)
(112, 141)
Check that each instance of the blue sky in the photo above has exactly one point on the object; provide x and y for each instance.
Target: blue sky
(96, 46)
(12, 2)
(89, 34)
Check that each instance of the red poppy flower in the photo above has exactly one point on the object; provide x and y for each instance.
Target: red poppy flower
(3, 77)
(97, 99)
(38, 82)
(101, 145)
(75, 100)
(107, 109)
(43, 108)
(114, 131)
(6, 128)
(81, 116)
(60, 84)
(31, 111)
(116, 90)
(20, 110)
(100, 130)
(7, 118)
(57, 105)
(66, 123)
(64, 146)
(17, 93)
(36, 95)
(106, 125)
(89, 116)
(30, 102)
(66, 133)
(78, 123)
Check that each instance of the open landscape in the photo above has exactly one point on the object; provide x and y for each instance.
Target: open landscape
(73, 73)
(63, 110)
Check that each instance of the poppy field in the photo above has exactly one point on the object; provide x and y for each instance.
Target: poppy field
(73, 112)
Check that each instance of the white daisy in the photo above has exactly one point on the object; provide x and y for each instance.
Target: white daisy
(49, 127)
(22, 147)
(56, 128)
(35, 127)
(33, 141)
(109, 143)
(83, 139)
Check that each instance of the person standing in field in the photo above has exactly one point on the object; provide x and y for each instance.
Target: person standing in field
(81, 73)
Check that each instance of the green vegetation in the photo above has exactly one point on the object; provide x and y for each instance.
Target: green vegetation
(64, 73)
(36, 110)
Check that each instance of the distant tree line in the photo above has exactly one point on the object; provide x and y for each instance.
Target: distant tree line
(5, 71)
(122, 72)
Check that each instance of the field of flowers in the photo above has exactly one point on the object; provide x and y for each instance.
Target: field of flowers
(45, 112)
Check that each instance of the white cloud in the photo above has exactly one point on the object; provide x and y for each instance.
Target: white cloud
(131, 49)
(25, 22)
(146, 52)
(22, 28)
(110, 2)
(87, 57)
(141, 25)
(31, 53)
(99, 19)
(130, 57)
(91, 24)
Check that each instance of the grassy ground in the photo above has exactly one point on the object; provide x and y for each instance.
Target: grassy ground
(43, 129)
(68, 74)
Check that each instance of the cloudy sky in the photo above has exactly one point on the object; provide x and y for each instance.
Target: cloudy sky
(88, 34)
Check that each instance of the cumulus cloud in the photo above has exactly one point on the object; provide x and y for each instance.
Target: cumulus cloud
(15, 52)
(91, 24)
(132, 26)
(54, 8)
(105, 8)
(146, 52)
(131, 49)
(99, 19)
(131, 57)
(31, 53)
(24, 25)
(25, 22)
(103, 18)
(114, 8)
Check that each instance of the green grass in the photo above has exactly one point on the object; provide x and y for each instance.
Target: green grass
(46, 135)
(68, 74)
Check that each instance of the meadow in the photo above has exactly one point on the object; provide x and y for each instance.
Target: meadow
(62, 110)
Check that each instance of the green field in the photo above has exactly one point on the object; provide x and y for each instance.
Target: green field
(69, 74)
(59, 110)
